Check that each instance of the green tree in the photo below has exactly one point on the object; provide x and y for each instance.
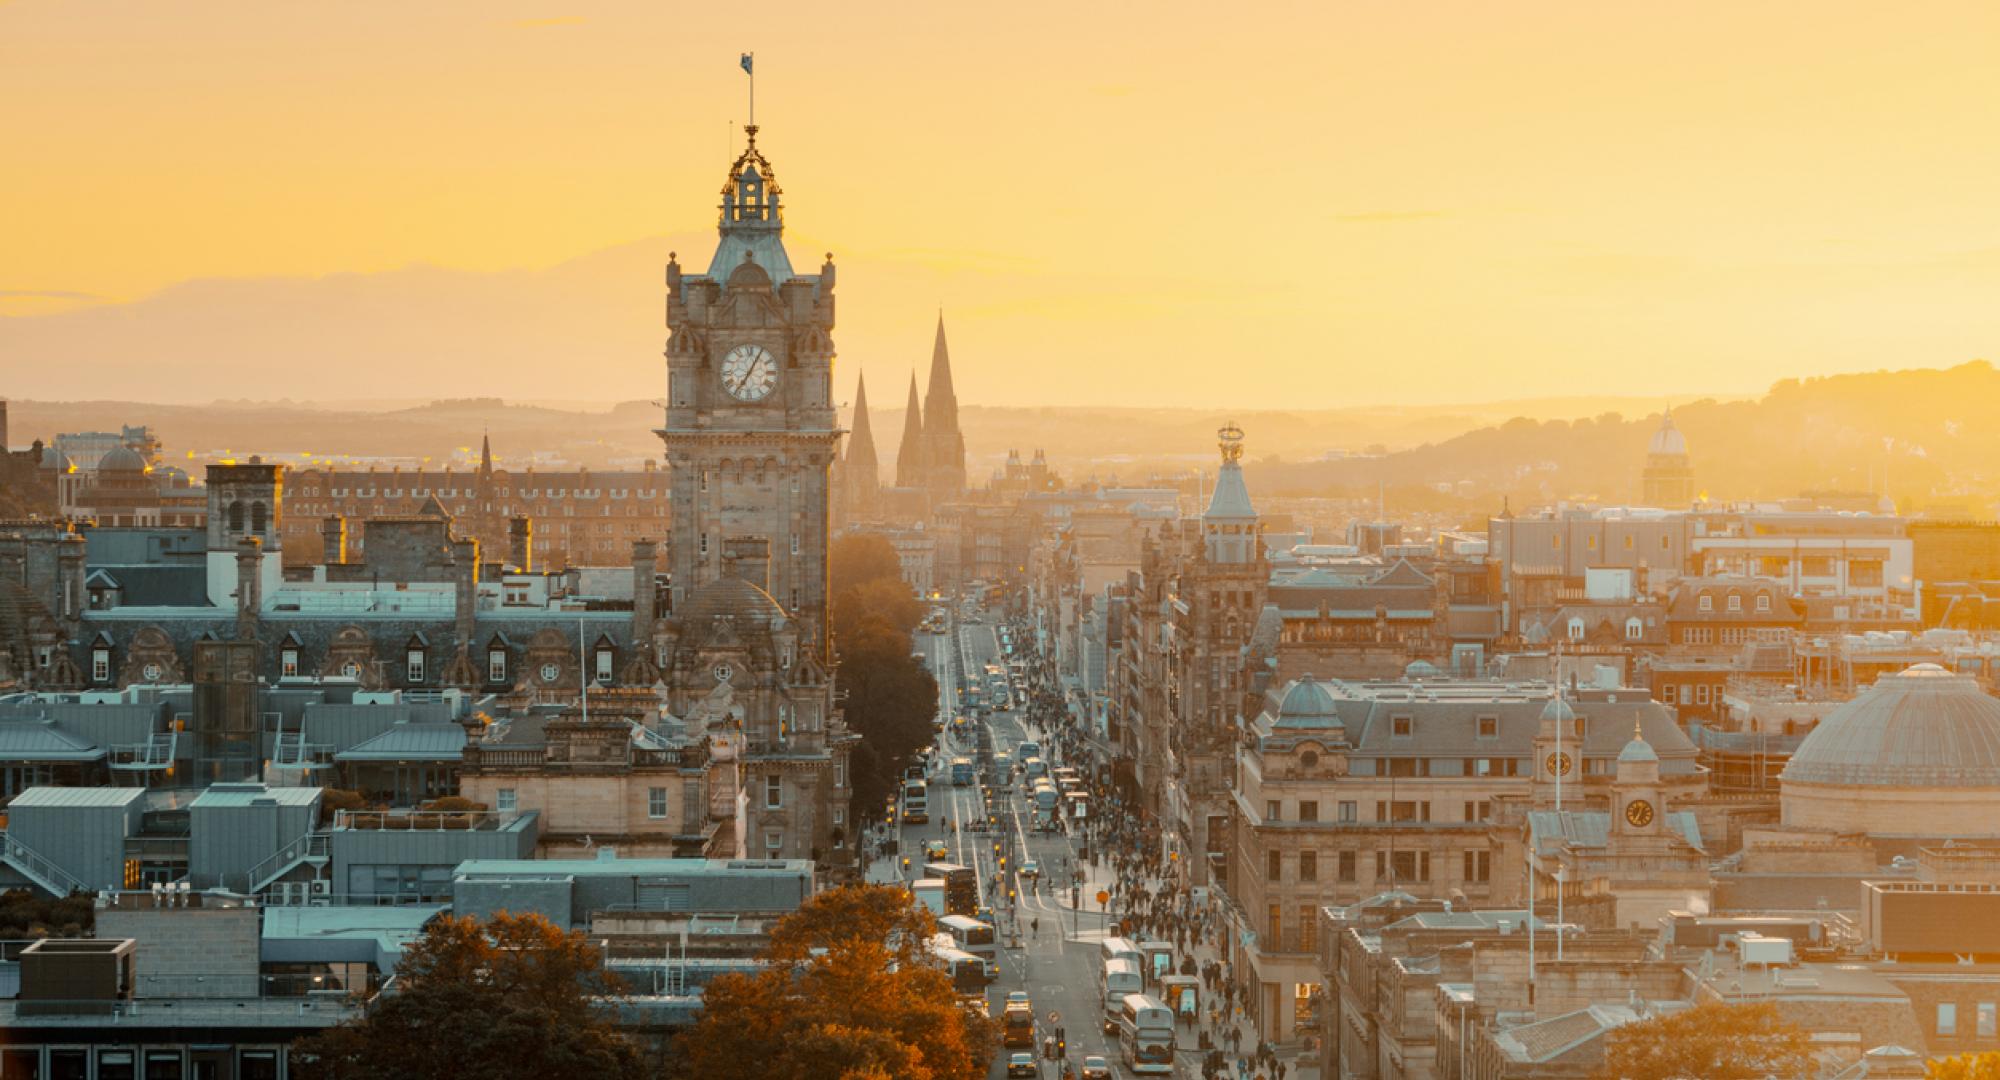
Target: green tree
(846, 993)
(891, 698)
(26, 914)
(858, 558)
(1712, 1040)
(887, 601)
(514, 996)
(1984, 1066)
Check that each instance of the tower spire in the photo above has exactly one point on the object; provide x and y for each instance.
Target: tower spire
(910, 463)
(861, 470)
(944, 443)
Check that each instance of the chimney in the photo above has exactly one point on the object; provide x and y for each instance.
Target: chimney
(249, 586)
(333, 539)
(3, 427)
(645, 562)
(520, 544)
(749, 558)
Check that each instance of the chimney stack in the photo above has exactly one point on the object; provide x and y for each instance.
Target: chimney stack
(749, 558)
(333, 539)
(249, 586)
(520, 544)
(645, 563)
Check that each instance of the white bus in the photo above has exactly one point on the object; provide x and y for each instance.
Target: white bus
(967, 972)
(1146, 1034)
(1117, 948)
(1120, 978)
(975, 937)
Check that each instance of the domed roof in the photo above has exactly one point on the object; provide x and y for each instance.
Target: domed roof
(749, 275)
(747, 606)
(121, 459)
(1638, 751)
(1306, 700)
(1668, 440)
(1421, 669)
(1558, 710)
(54, 460)
(1924, 727)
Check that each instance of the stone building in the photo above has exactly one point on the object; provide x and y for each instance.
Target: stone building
(581, 517)
(751, 435)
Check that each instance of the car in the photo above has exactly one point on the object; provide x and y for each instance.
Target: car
(1031, 868)
(1095, 1068)
(1019, 997)
(935, 849)
(1023, 1064)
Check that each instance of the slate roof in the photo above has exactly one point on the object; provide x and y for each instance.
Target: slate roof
(42, 740)
(1549, 1039)
(1549, 830)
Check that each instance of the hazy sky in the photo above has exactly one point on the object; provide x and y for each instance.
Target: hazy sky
(1259, 203)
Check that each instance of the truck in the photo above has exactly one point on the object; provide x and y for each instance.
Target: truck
(930, 893)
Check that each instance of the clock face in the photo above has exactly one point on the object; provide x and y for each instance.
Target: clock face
(1558, 764)
(749, 372)
(1639, 812)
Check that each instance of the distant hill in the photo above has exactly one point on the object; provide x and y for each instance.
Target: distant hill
(1932, 432)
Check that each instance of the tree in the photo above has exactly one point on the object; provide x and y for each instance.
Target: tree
(859, 558)
(25, 914)
(883, 600)
(1712, 1040)
(846, 992)
(1984, 1066)
(514, 996)
(891, 698)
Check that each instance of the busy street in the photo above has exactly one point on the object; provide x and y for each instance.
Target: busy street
(1068, 888)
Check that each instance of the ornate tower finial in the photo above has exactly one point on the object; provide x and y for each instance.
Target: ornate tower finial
(1231, 441)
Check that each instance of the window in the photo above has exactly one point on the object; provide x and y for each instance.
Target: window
(1308, 866)
(1308, 810)
(795, 543)
(1947, 1018)
(1274, 936)
(416, 665)
(656, 803)
(604, 665)
(551, 672)
(1347, 811)
(774, 841)
(1735, 602)
(1478, 866)
(1763, 603)
(1701, 693)
(1273, 810)
(1411, 865)
(1308, 929)
(506, 800)
(288, 663)
(100, 664)
(723, 673)
(774, 792)
(1489, 727)
(1706, 603)
(1576, 629)
(1381, 866)
(496, 666)
(1274, 866)
(1347, 866)
(704, 544)
(1634, 629)
(1985, 1015)
(1401, 726)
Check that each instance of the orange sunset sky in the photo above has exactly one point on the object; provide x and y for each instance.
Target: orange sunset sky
(1266, 204)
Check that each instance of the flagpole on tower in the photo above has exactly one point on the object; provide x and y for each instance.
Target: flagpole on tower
(749, 63)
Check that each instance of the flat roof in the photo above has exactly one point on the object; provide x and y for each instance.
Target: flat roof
(249, 794)
(534, 868)
(77, 796)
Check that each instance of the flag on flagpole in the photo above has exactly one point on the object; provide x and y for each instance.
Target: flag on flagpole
(746, 64)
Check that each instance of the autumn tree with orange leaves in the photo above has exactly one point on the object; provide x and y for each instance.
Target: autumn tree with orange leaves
(847, 993)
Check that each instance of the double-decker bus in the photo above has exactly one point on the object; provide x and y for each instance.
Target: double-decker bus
(916, 802)
(1146, 1034)
(961, 772)
(975, 937)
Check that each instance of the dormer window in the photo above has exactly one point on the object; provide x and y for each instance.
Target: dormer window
(1735, 602)
(496, 666)
(604, 665)
(1763, 603)
(100, 664)
(1706, 603)
(416, 665)
(1401, 726)
(288, 663)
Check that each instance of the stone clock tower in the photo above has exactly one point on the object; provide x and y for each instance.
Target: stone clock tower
(751, 431)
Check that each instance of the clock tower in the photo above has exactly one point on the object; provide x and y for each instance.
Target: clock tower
(750, 431)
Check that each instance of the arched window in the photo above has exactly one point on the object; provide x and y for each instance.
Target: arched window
(1576, 629)
(1634, 629)
(236, 516)
(258, 516)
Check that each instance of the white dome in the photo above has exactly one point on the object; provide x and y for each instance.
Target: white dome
(1668, 440)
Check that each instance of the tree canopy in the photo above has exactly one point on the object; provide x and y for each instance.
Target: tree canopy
(846, 995)
(1711, 1040)
(514, 996)
(891, 698)
(1984, 1066)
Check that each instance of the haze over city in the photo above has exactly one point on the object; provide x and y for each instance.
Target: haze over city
(1343, 541)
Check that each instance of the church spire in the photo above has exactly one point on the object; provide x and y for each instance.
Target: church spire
(861, 471)
(910, 460)
(944, 443)
(485, 454)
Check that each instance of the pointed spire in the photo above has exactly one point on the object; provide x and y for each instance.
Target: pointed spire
(910, 460)
(862, 472)
(944, 443)
(485, 454)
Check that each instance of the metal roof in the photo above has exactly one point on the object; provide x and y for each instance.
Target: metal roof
(77, 796)
(43, 741)
(535, 868)
(410, 742)
(225, 795)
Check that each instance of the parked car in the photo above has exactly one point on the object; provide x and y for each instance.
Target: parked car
(1023, 1065)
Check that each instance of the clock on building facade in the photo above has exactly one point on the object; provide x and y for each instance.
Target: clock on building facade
(1639, 813)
